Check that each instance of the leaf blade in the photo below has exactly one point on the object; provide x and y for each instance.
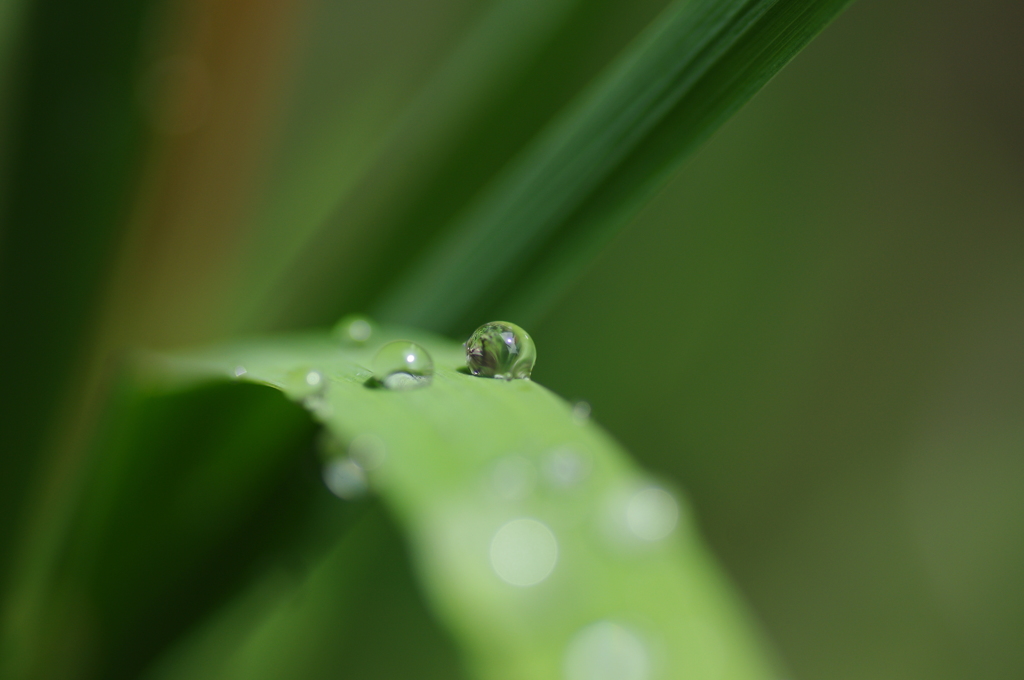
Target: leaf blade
(443, 447)
(600, 159)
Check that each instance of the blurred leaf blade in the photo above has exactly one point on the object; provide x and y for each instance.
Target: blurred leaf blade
(179, 501)
(342, 616)
(445, 450)
(74, 145)
(595, 163)
(354, 162)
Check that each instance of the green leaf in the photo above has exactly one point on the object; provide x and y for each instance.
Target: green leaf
(185, 491)
(69, 167)
(538, 541)
(350, 159)
(536, 223)
(345, 616)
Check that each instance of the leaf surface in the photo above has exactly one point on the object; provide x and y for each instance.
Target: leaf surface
(543, 548)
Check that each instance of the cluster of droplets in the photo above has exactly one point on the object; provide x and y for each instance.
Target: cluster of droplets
(497, 349)
(633, 517)
(524, 550)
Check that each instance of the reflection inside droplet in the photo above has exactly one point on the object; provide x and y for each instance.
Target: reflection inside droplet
(404, 381)
(513, 477)
(606, 651)
(403, 365)
(345, 479)
(524, 552)
(500, 350)
(367, 451)
(314, 378)
(652, 513)
(240, 371)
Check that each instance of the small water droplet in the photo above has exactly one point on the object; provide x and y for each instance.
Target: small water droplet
(581, 411)
(345, 479)
(353, 330)
(368, 451)
(403, 365)
(524, 552)
(606, 651)
(318, 405)
(566, 467)
(306, 384)
(500, 350)
(513, 477)
(240, 371)
(652, 513)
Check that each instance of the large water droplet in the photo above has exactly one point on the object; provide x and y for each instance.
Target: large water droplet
(652, 513)
(345, 479)
(500, 350)
(353, 330)
(524, 552)
(403, 365)
(606, 651)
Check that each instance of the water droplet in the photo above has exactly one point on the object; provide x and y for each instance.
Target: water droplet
(308, 385)
(240, 371)
(368, 451)
(606, 651)
(513, 477)
(524, 552)
(345, 479)
(500, 350)
(403, 365)
(353, 329)
(652, 513)
(318, 405)
(566, 467)
(581, 411)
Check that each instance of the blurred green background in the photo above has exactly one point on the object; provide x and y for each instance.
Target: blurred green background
(816, 328)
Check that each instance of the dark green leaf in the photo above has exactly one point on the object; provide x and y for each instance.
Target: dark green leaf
(543, 216)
